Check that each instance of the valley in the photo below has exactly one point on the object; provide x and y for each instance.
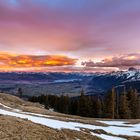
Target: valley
(71, 84)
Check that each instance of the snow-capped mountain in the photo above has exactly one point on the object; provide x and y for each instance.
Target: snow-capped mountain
(128, 75)
(103, 82)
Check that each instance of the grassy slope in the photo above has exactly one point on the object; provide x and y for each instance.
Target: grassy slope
(12, 128)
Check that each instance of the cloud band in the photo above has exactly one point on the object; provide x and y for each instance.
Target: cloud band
(29, 61)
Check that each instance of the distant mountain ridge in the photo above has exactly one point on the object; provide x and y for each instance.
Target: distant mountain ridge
(103, 82)
(69, 83)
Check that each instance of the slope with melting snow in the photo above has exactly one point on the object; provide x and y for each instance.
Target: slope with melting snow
(115, 127)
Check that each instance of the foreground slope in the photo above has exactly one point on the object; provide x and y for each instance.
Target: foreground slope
(24, 120)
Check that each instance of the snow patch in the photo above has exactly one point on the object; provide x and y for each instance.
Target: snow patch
(113, 127)
(107, 137)
(66, 80)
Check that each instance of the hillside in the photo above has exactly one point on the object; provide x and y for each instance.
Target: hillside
(23, 120)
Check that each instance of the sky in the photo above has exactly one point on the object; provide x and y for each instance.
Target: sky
(69, 35)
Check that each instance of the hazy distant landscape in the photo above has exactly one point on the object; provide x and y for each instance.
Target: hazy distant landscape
(68, 83)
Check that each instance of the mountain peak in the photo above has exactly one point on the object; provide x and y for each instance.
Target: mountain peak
(132, 69)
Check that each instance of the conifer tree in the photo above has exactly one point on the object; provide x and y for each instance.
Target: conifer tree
(88, 105)
(73, 108)
(110, 105)
(46, 102)
(133, 103)
(98, 108)
(113, 103)
(138, 107)
(66, 103)
(124, 111)
(82, 105)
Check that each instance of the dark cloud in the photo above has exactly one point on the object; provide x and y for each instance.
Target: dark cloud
(124, 61)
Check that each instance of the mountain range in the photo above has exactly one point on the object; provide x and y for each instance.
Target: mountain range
(68, 83)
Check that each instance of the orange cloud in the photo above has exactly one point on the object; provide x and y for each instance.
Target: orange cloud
(14, 61)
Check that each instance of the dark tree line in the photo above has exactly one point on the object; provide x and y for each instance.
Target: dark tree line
(123, 106)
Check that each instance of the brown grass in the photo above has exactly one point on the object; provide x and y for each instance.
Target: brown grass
(12, 128)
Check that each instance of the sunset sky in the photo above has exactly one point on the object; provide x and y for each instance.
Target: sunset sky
(69, 35)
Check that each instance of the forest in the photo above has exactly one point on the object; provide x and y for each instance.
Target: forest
(125, 105)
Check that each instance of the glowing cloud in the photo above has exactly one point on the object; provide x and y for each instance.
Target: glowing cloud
(14, 61)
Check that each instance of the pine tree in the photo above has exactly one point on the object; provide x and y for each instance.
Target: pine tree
(133, 103)
(73, 108)
(110, 104)
(55, 104)
(66, 103)
(83, 105)
(88, 105)
(98, 108)
(124, 111)
(138, 107)
(46, 102)
(113, 103)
